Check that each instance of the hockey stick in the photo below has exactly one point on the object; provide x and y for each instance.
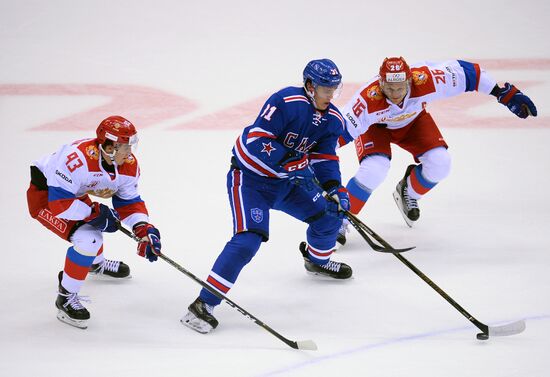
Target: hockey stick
(365, 231)
(301, 344)
(503, 330)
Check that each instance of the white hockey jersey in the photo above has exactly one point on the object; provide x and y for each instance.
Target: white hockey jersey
(75, 171)
(430, 81)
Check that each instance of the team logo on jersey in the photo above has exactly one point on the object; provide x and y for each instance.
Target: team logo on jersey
(419, 77)
(257, 215)
(103, 193)
(129, 160)
(268, 148)
(399, 118)
(317, 118)
(375, 93)
(92, 152)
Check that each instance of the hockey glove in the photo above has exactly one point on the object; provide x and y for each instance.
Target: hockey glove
(299, 171)
(149, 246)
(340, 202)
(516, 101)
(103, 218)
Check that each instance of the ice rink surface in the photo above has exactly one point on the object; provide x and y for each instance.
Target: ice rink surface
(190, 75)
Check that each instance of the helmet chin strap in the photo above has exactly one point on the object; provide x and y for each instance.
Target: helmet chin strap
(311, 96)
(111, 155)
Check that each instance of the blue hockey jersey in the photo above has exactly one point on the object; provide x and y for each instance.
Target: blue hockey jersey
(289, 122)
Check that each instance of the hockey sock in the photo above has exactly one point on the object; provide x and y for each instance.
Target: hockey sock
(318, 256)
(358, 195)
(235, 255)
(417, 184)
(77, 264)
(100, 257)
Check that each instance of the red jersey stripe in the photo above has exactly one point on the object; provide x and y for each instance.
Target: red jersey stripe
(252, 162)
(261, 134)
(321, 156)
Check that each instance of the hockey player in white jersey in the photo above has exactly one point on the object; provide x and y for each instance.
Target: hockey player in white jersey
(391, 109)
(58, 197)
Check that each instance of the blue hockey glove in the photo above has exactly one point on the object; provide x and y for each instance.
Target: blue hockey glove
(103, 218)
(340, 203)
(149, 247)
(299, 171)
(516, 101)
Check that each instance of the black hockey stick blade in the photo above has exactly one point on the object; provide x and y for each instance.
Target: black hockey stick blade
(394, 251)
(363, 230)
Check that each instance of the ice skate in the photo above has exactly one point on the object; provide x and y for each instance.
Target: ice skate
(407, 206)
(110, 270)
(344, 229)
(333, 270)
(71, 311)
(199, 317)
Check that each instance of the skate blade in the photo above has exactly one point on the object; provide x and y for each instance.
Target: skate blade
(197, 324)
(79, 323)
(397, 199)
(321, 276)
(102, 277)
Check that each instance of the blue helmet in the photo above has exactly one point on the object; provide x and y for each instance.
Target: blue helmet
(322, 72)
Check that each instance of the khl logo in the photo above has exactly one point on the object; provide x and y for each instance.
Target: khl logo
(257, 215)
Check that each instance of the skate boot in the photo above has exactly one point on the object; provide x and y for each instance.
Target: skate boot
(334, 270)
(200, 317)
(110, 270)
(71, 310)
(407, 206)
(344, 228)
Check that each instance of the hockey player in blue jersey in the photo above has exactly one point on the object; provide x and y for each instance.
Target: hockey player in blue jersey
(278, 163)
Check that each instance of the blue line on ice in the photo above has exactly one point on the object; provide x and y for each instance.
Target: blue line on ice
(385, 343)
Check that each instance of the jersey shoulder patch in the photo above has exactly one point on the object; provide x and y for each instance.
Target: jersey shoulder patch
(90, 150)
(422, 82)
(129, 167)
(374, 98)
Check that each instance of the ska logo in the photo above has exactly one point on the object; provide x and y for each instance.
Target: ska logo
(257, 215)
(317, 118)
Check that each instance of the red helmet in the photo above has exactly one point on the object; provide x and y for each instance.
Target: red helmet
(117, 129)
(394, 70)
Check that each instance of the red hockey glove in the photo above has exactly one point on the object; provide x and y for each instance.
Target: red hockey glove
(149, 247)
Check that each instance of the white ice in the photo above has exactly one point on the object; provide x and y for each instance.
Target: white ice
(483, 235)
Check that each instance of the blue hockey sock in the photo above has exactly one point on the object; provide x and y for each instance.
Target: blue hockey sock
(235, 255)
